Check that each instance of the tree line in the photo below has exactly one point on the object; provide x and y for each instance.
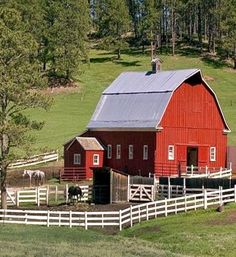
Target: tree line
(204, 24)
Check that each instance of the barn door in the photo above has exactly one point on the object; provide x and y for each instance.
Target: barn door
(192, 156)
(203, 156)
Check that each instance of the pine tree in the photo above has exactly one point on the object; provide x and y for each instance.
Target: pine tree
(228, 27)
(113, 21)
(19, 81)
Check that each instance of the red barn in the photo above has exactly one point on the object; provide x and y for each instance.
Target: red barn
(159, 122)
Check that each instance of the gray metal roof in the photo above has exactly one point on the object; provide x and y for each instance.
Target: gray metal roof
(147, 82)
(138, 100)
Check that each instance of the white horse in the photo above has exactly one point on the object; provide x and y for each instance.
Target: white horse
(40, 175)
(37, 174)
(29, 173)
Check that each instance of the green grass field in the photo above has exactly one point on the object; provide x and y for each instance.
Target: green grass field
(71, 111)
(201, 233)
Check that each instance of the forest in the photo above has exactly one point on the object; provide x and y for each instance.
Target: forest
(65, 30)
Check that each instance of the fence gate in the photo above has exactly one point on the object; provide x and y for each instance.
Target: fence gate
(141, 193)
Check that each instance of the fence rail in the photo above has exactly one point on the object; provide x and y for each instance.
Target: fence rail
(123, 218)
(35, 159)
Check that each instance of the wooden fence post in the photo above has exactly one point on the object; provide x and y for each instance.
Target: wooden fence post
(235, 193)
(147, 211)
(168, 196)
(70, 218)
(47, 194)
(205, 199)
(165, 207)
(120, 220)
(37, 196)
(184, 186)
(128, 188)
(17, 199)
(66, 189)
(48, 218)
(85, 220)
(131, 221)
(220, 196)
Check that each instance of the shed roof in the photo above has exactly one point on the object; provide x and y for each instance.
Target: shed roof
(138, 100)
(88, 143)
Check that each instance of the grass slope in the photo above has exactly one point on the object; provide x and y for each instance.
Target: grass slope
(200, 233)
(72, 111)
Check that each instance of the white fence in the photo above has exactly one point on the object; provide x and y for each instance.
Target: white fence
(207, 172)
(41, 195)
(36, 196)
(122, 218)
(141, 193)
(34, 160)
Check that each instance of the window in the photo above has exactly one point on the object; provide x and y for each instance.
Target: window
(131, 152)
(213, 154)
(118, 151)
(171, 152)
(77, 158)
(96, 159)
(109, 151)
(145, 152)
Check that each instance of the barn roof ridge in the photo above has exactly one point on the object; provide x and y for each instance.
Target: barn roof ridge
(88, 143)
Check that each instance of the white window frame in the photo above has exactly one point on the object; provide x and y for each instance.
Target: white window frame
(213, 154)
(145, 152)
(77, 158)
(96, 159)
(109, 151)
(171, 152)
(131, 152)
(118, 152)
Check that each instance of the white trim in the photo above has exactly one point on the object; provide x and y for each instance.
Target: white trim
(145, 152)
(77, 159)
(118, 152)
(96, 159)
(171, 152)
(212, 153)
(109, 151)
(131, 152)
(124, 129)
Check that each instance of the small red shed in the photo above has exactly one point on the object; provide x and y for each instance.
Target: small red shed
(81, 154)
(160, 122)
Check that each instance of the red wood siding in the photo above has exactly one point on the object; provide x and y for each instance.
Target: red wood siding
(89, 162)
(75, 148)
(192, 118)
(137, 139)
(86, 158)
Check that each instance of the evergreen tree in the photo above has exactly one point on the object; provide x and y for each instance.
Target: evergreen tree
(19, 81)
(228, 27)
(68, 25)
(113, 21)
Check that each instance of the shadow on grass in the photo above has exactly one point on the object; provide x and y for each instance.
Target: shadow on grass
(215, 62)
(127, 64)
(100, 60)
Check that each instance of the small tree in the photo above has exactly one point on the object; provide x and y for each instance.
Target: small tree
(19, 81)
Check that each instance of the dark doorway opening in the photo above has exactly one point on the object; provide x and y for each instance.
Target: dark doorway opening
(192, 156)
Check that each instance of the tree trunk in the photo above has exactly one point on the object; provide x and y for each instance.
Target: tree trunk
(173, 28)
(3, 188)
(118, 54)
(234, 56)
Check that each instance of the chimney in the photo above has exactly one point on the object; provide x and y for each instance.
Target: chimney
(156, 65)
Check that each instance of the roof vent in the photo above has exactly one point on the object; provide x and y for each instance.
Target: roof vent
(156, 65)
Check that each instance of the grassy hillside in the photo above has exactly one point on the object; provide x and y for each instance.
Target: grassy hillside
(72, 111)
(201, 233)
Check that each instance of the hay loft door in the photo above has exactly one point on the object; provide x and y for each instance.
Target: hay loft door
(192, 156)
